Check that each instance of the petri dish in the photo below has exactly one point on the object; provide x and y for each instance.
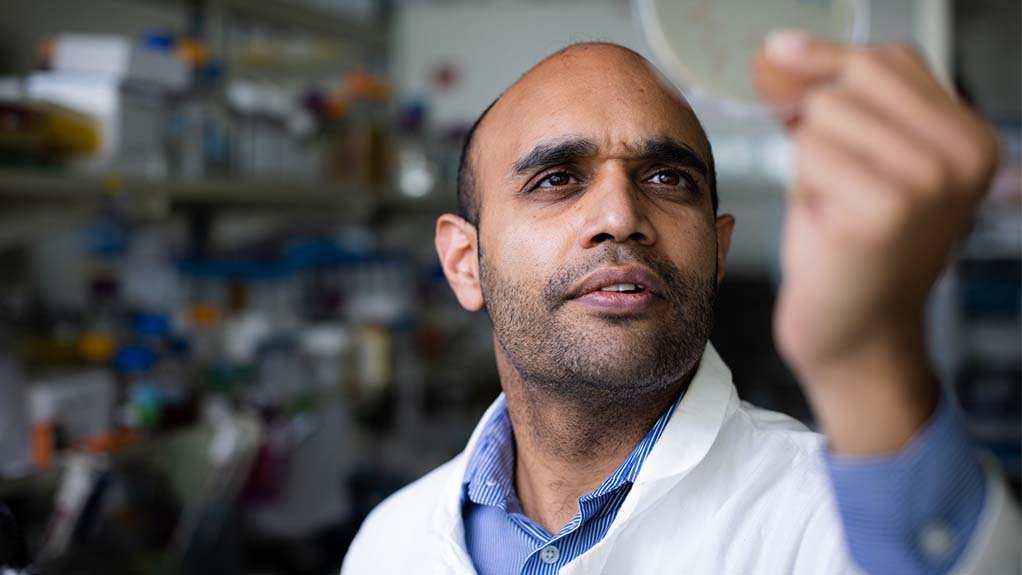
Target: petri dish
(706, 47)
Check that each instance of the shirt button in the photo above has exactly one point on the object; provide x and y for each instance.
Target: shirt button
(550, 554)
(936, 540)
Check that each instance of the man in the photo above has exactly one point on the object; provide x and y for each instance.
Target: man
(588, 231)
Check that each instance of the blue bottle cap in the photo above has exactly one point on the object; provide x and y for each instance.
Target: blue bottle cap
(134, 359)
(152, 325)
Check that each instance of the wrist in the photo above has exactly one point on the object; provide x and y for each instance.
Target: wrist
(874, 398)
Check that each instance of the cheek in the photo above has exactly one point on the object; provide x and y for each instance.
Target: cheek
(528, 250)
(692, 246)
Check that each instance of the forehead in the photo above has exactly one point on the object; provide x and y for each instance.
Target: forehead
(602, 93)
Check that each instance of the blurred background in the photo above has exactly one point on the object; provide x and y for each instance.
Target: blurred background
(224, 334)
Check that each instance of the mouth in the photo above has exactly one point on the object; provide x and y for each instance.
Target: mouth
(621, 289)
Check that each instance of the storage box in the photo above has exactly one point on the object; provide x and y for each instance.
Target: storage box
(120, 59)
(132, 121)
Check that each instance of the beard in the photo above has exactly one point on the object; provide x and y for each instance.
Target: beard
(599, 360)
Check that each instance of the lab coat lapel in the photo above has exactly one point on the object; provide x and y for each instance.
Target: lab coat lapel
(695, 424)
(447, 522)
(694, 427)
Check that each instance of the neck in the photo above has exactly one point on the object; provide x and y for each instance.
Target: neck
(566, 447)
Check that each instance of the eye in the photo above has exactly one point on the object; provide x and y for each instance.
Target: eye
(556, 179)
(673, 178)
(667, 178)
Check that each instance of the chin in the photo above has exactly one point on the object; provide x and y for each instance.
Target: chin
(627, 366)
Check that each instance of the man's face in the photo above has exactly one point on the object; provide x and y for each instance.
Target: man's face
(598, 248)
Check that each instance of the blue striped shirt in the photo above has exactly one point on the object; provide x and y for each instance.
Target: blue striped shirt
(501, 539)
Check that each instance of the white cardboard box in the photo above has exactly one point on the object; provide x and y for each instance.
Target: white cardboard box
(118, 58)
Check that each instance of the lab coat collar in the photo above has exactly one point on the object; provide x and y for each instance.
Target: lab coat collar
(691, 431)
(696, 422)
(694, 427)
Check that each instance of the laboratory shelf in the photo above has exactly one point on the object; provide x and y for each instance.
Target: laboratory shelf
(70, 189)
(34, 202)
(42, 188)
(302, 16)
(306, 16)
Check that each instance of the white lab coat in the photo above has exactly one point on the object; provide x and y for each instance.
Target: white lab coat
(728, 489)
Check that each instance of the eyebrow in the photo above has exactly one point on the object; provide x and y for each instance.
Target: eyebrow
(663, 149)
(554, 153)
(667, 150)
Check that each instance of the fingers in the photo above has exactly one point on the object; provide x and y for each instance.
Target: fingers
(810, 61)
(913, 66)
(897, 84)
(790, 64)
(885, 105)
(876, 137)
(848, 197)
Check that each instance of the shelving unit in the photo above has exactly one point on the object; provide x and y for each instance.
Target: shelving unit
(258, 205)
(987, 308)
(289, 14)
(33, 202)
(303, 16)
(41, 189)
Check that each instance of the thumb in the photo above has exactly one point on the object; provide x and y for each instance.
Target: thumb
(798, 54)
(790, 63)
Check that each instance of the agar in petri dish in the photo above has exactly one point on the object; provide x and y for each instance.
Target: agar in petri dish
(706, 47)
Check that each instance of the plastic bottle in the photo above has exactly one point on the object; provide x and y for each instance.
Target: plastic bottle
(42, 410)
(98, 341)
(172, 386)
(142, 403)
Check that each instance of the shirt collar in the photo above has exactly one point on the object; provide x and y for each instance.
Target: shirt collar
(489, 473)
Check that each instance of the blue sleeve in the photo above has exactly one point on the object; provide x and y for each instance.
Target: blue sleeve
(915, 511)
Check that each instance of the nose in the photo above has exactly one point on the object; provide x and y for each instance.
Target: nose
(614, 210)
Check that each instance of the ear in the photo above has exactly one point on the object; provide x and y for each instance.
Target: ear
(456, 245)
(725, 226)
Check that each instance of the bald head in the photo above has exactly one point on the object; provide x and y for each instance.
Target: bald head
(612, 78)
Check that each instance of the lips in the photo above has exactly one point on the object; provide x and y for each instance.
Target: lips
(629, 280)
(622, 290)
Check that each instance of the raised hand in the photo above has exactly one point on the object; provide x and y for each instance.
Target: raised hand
(889, 167)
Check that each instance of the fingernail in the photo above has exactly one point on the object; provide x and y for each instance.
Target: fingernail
(787, 44)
